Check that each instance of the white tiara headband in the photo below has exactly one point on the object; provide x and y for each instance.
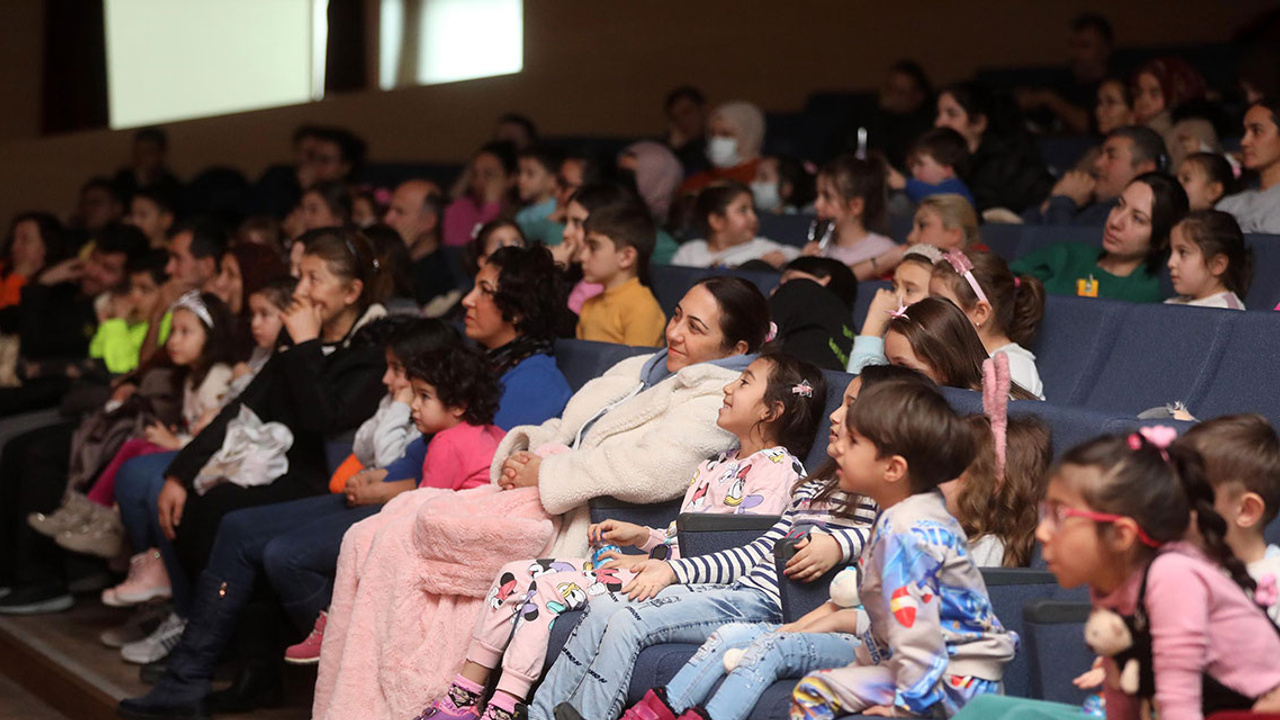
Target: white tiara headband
(191, 301)
(964, 268)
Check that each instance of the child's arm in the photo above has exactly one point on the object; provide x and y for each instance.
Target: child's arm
(811, 617)
(919, 656)
(843, 620)
(1178, 604)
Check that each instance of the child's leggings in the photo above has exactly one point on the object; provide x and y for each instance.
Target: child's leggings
(829, 694)
(522, 606)
(768, 657)
(104, 489)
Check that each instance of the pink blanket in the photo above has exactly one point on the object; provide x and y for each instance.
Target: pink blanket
(410, 582)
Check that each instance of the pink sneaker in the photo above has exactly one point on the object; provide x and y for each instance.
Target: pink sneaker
(147, 581)
(653, 706)
(307, 652)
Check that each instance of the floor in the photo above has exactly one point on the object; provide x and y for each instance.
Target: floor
(56, 661)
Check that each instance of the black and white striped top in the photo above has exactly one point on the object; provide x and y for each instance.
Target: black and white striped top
(752, 565)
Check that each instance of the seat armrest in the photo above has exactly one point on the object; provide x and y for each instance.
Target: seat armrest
(706, 533)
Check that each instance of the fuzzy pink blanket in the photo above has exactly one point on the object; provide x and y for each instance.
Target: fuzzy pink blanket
(410, 582)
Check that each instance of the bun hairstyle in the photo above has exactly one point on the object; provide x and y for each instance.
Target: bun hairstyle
(801, 390)
(744, 311)
(1158, 489)
(1217, 233)
(854, 177)
(350, 256)
(1017, 303)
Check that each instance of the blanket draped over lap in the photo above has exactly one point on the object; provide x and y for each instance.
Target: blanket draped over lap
(411, 580)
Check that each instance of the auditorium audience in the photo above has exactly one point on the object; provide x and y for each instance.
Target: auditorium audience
(416, 212)
(147, 168)
(34, 242)
(154, 210)
(811, 307)
(735, 137)
(327, 203)
(536, 183)
(615, 255)
(1089, 61)
(1258, 210)
(1209, 263)
(492, 175)
(1113, 108)
(728, 225)
(1207, 178)
(904, 110)
(1086, 198)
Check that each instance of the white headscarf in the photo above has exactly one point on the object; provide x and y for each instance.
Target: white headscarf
(748, 123)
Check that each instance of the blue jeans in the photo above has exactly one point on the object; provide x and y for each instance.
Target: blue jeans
(594, 670)
(769, 656)
(138, 487)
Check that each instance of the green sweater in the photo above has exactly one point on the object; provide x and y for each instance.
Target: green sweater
(117, 343)
(1067, 268)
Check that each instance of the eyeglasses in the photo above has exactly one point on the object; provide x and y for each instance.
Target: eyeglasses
(1056, 513)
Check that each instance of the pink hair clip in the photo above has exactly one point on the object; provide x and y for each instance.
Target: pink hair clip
(803, 389)
(901, 312)
(1161, 436)
(995, 403)
(964, 268)
(1267, 594)
(382, 196)
(773, 332)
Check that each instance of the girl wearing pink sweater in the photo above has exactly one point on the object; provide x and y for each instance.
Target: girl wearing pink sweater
(1115, 517)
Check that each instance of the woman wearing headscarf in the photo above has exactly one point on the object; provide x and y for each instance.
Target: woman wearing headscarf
(735, 136)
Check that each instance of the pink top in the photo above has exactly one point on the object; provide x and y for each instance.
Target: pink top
(581, 293)
(756, 485)
(872, 245)
(462, 216)
(458, 458)
(1201, 621)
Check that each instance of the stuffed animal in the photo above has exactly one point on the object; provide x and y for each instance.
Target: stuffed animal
(1107, 634)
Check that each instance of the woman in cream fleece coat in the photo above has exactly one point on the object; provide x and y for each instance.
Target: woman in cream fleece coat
(406, 598)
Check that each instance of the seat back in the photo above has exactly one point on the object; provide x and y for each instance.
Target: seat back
(671, 282)
(1238, 381)
(788, 229)
(836, 383)
(1009, 589)
(1053, 643)
(707, 533)
(1264, 291)
(1074, 339)
(583, 360)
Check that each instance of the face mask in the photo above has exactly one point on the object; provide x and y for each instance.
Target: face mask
(766, 196)
(723, 151)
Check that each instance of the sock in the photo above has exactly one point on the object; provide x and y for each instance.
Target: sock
(501, 706)
(463, 693)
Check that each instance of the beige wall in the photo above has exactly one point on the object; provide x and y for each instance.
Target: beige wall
(602, 68)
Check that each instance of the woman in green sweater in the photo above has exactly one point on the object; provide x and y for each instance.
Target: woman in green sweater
(1135, 242)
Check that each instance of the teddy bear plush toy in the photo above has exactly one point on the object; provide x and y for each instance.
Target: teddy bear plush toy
(1108, 634)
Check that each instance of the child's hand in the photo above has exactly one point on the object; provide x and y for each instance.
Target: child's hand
(1269, 703)
(520, 471)
(881, 711)
(365, 488)
(240, 370)
(775, 258)
(818, 553)
(654, 575)
(623, 561)
(618, 533)
(879, 313)
(811, 249)
(157, 434)
(895, 179)
(404, 396)
(1092, 677)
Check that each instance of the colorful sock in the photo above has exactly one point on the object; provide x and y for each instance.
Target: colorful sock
(501, 707)
(463, 693)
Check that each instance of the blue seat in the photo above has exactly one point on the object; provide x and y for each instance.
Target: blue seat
(1160, 354)
(1053, 639)
(866, 293)
(784, 228)
(583, 360)
(1010, 589)
(1238, 381)
(671, 282)
(1074, 335)
(1264, 291)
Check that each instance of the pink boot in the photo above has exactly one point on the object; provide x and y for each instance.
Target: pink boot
(653, 706)
(307, 652)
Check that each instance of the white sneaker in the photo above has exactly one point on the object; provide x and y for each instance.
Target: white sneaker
(141, 623)
(158, 644)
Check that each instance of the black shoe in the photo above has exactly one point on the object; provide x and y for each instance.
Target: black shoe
(257, 685)
(160, 704)
(37, 600)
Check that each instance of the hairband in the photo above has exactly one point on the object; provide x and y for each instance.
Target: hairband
(803, 389)
(1161, 436)
(929, 252)
(995, 405)
(964, 267)
(191, 301)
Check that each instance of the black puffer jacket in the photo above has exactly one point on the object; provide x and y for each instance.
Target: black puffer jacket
(1008, 172)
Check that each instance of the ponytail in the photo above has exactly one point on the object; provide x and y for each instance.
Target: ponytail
(1028, 310)
(1188, 466)
(1017, 303)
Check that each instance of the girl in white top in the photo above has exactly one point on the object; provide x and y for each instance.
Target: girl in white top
(727, 217)
(1004, 309)
(853, 198)
(1209, 262)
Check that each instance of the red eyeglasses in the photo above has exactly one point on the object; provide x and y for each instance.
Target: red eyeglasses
(1056, 513)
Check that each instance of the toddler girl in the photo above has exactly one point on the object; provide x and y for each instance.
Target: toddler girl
(773, 408)
(853, 198)
(1209, 262)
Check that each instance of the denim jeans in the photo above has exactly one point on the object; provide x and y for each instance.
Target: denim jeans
(594, 670)
(138, 487)
(768, 657)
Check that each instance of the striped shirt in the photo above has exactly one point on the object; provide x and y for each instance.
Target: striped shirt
(752, 566)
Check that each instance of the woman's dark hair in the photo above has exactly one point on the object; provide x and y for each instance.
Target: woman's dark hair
(595, 196)
(855, 177)
(162, 196)
(462, 378)
(50, 229)
(979, 99)
(1017, 303)
(800, 412)
(840, 279)
(259, 265)
(916, 423)
(715, 200)
(943, 338)
(744, 311)
(504, 151)
(1272, 105)
(1216, 169)
(418, 336)
(350, 256)
(1006, 508)
(153, 263)
(1169, 205)
(1157, 494)
(474, 253)
(791, 171)
(1126, 91)
(912, 69)
(1217, 233)
(336, 196)
(278, 292)
(393, 259)
(530, 294)
(871, 376)
(219, 341)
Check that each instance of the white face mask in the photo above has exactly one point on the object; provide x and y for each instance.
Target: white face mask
(766, 196)
(723, 151)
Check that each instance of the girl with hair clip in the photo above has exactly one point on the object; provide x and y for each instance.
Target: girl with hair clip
(995, 499)
(727, 221)
(1116, 518)
(1134, 243)
(773, 408)
(1005, 309)
(935, 338)
(1209, 262)
(853, 198)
